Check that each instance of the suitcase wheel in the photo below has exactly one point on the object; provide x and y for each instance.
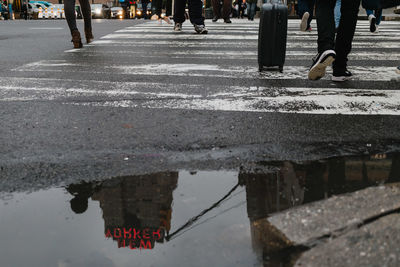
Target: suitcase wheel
(281, 68)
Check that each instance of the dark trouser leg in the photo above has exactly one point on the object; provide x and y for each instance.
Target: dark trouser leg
(195, 12)
(86, 13)
(378, 15)
(302, 7)
(144, 9)
(251, 7)
(216, 8)
(179, 11)
(227, 9)
(325, 24)
(168, 8)
(345, 34)
(158, 6)
(311, 4)
(69, 9)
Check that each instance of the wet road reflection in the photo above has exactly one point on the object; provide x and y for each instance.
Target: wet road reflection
(176, 219)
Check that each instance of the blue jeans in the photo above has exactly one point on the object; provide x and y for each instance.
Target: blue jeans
(251, 10)
(378, 15)
(337, 13)
(306, 6)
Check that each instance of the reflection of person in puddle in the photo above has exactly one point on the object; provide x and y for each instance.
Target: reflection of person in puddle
(136, 209)
(81, 192)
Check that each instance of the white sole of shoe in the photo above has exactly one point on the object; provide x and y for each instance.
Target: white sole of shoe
(304, 20)
(398, 71)
(340, 78)
(319, 69)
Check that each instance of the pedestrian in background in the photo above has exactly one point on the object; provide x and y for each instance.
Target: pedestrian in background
(251, 9)
(158, 9)
(144, 8)
(241, 7)
(226, 7)
(305, 10)
(195, 15)
(374, 18)
(24, 11)
(329, 51)
(69, 9)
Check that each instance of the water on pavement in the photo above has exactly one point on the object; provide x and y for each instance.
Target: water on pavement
(175, 218)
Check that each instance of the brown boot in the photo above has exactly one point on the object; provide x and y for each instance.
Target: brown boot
(76, 39)
(89, 36)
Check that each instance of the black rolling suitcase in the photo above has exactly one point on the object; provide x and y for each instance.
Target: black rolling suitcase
(272, 35)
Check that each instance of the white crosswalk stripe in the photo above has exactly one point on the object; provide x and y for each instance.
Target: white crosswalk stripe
(229, 51)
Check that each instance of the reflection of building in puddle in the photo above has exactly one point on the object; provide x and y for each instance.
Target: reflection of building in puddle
(136, 210)
(295, 184)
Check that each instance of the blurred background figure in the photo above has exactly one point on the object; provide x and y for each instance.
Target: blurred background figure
(374, 17)
(305, 12)
(158, 10)
(225, 5)
(251, 9)
(241, 8)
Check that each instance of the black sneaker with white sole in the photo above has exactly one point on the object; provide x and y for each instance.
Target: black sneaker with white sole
(372, 23)
(341, 75)
(200, 29)
(320, 62)
(398, 69)
(178, 27)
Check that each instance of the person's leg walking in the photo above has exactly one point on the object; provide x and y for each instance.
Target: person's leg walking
(378, 15)
(216, 10)
(69, 9)
(168, 8)
(253, 10)
(179, 11)
(304, 15)
(345, 34)
(196, 16)
(326, 39)
(311, 5)
(371, 19)
(325, 24)
(195, 12)
(227, 6)
(87, 17)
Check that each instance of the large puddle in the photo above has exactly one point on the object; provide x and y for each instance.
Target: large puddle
(173, 218)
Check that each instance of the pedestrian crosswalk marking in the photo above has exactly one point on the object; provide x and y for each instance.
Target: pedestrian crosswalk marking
(234, 54)
(220, 98)
(366, 73)
(150, 50)
(228, 43)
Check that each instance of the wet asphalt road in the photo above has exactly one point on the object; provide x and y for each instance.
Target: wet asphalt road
(143, 99)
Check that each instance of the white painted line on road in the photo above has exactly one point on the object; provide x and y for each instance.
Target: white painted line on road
(221, 43)
(382, 33)
(229, 36)
(365, 73)
(226, 98)
(236, 54)
(291, 100)
(47, 28)
(179, 36)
